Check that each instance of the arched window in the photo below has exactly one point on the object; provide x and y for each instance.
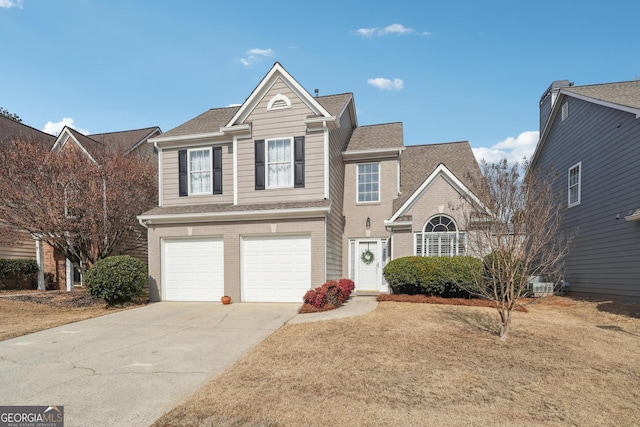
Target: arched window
(439, 237)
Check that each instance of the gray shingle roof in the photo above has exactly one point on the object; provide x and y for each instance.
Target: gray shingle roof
(10, 129)
(622, 93)
(229, 207)
(208, 122)
(212, 120)
(419, 161)
(372, 137)
(334, 104)
(123, 140)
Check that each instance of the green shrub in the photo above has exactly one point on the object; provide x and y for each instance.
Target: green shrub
(438, 276)
(18, 274)
(116, 279)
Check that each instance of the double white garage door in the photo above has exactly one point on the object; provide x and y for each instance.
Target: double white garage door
(272, 269)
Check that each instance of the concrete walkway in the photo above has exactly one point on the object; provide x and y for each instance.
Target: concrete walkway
(129, 368)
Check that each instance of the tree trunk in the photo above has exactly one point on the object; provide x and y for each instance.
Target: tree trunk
(505, 324)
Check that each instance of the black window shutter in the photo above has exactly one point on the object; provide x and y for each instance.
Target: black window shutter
(298, 164)
(217, 170)
(260, 171)
(183, 184)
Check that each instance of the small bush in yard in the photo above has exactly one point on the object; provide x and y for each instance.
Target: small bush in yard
(439, 276)
(18, 274)
(116, 279)
(328, 296)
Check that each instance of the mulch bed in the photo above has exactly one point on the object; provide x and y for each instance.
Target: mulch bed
(77, 298)
(423, 299)
(420, 299)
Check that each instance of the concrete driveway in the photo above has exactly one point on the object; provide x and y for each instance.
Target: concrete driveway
(130, 367)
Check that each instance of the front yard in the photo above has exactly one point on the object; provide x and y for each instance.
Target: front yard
(567, 362)
(24, 312)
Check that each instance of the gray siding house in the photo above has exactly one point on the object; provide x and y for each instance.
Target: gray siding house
(590, 135)
(268, 199)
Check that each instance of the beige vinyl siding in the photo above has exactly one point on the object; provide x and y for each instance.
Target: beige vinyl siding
(232, 233)
(287, 122)
(170, 193)
(338, 140)
(24, 249)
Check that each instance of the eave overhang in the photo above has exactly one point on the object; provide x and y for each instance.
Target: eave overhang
(270, 214)
(380, 153)
(398, 225)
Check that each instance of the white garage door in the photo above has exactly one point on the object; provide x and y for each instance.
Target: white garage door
(276, 269)
(193, 270)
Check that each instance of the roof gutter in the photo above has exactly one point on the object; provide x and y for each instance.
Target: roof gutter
(234, 216)
(379, 153)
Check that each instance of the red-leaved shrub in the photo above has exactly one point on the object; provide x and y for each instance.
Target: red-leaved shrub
(328, 296)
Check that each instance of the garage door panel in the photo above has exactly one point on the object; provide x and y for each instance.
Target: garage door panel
(193, 270)
(276, 269)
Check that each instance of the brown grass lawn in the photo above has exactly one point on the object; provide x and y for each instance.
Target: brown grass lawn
(567, 363)
(25, 312)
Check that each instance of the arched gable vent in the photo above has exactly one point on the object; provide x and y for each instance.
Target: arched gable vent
(278, 102)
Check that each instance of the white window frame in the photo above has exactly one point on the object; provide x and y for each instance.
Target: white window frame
(565, 111)
(577, 185)
(456, 240)
(190, 172)
(358, 201)
(68, 211)
(267, 163)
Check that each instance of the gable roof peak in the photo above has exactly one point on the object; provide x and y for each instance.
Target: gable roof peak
(277, 71)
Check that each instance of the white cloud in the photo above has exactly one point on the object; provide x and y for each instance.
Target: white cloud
(386, 84)
(55, 128)
(254, 55)
(8, 4)
(512, 149)
(366, 32)
(389, 29)
(395, 29)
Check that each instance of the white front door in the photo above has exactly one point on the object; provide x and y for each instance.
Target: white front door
(368, 264)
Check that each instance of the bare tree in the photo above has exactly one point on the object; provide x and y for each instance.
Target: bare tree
(6, 113)
(82, 207)
(517, 232)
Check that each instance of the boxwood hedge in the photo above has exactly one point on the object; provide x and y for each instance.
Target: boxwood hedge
(116, 279)
(437, 276)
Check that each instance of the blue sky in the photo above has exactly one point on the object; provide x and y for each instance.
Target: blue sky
(450, 71)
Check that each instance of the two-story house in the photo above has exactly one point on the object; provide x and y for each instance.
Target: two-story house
(56, 271)
(59, 272)
(15, 243)
(268, 199)
(590, 135)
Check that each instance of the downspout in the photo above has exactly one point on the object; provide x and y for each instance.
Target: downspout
(326, 159)
(235, 170)
(40, 262)
(159, 150)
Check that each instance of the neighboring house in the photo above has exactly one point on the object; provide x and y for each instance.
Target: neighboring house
(590, 135)
(268, 199)
(60, 272)
(14, 243)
